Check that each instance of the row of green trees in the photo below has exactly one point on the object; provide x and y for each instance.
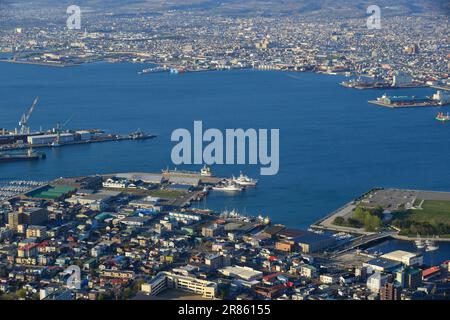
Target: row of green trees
(424, 228)
(370, 219)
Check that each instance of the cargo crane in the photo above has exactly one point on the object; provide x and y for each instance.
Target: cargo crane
(24, 129)
(58, 130)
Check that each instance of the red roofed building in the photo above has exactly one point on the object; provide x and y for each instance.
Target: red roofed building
(431, 272)
(27, 251)
(270, 292)
(271, 276)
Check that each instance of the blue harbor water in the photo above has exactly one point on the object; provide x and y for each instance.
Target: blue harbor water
(334, 145)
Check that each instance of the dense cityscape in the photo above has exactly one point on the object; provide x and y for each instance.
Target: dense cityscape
(416, 45)
(140, 236)
(145, 236)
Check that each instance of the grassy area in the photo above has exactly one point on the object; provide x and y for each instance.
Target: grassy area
(438, 211)
(432, 219)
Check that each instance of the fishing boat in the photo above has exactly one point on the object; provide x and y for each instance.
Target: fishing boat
(206, 171)
(228, 186)
(244, 180)
(419, 242)
(431, 246)
(442, 117)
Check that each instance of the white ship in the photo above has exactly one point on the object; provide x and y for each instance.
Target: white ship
(229, 186)
(419, 243)
(244, 180)
(431, 246)
(206, 171)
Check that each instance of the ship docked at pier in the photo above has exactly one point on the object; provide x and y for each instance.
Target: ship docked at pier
(438, 99)
(23, 138)
(244, 180)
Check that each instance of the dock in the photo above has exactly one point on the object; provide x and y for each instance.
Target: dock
(107, 138)
(407, 105)
(29, 156)
(171, 175)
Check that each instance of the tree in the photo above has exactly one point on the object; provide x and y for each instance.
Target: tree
(128, 293)
(21, 293)
(339, 221)
(373, 223)
(359, 214)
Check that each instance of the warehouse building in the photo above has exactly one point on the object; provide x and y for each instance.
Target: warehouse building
(405, 257)
(382, 264)
(50, 138)
(244, 273)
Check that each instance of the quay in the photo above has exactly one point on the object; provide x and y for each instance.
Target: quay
(45, 64)
(379, 85)
(176, 176)
(30, 155)
(446, 88)
(108, 138)
(440, 98)
(421, 203)
(406, 105)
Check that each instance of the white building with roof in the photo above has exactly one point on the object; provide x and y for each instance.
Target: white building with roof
(376, 281)
(405, 257)
(245, 273)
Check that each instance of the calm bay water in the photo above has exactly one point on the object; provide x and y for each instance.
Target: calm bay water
(333, 144)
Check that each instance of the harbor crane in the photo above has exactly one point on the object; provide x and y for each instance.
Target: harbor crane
(58, 130)
(24, 129)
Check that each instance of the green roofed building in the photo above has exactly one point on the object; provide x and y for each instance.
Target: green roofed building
(51, 192)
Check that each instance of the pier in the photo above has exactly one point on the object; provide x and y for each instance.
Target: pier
(406, 105)
(108, 138)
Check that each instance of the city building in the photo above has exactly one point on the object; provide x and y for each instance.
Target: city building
(407, 258)
(390, 291)
(376, 281)
(169, 280)
(244, 273)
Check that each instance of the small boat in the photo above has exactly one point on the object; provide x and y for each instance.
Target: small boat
(244, 180)
(419, 243)
(431, 246)
(441, 117)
